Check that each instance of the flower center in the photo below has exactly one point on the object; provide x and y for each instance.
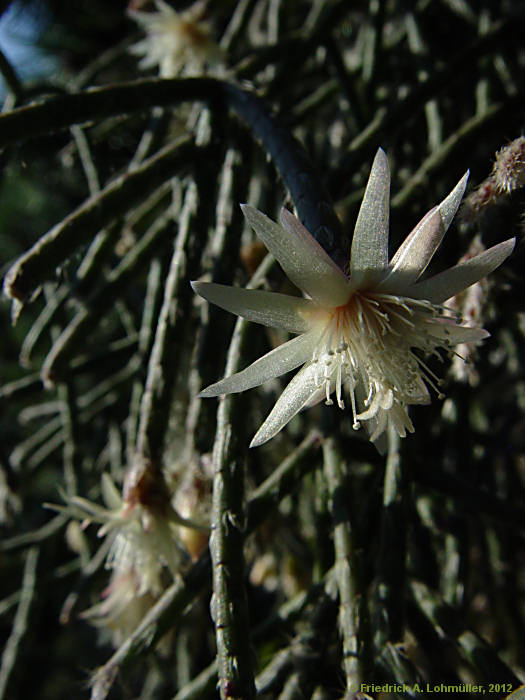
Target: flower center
(367, 347)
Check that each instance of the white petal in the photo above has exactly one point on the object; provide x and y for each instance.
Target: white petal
(416, 251)
(446, 284)
(318, 396)
(418, 394)
(110, 493)
(290, 402)
(283, 359)
(400, 420)
(414, 254)
(268, 308)
(381, 443)
(453, 333)
(377, 427)
(369, 253)
(380, 426)
(450, 204)
(165, 8)
(304, 261)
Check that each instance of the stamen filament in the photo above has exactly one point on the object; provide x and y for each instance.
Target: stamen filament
(370, 341)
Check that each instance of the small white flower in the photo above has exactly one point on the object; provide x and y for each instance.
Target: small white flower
(122, 607)
(175, 41)
(360, 335)
(143, 535)
(145, 549)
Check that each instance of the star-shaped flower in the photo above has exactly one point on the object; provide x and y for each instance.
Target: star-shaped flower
(362, 334)
(144, 549)
(174, 41)
(141, 535)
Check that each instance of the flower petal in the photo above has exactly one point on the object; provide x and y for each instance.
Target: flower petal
(453, 334)
(450, 204)
(304, 261)
(369, 252)
(416, 251)
(282, 359)
(400, 420)
(268, 308)
(381, 424)
(446, 284)
(414, 254)
(110, 493)
(290, 402)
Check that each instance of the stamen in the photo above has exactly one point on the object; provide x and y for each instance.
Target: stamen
(430, 378)
(340, 402)
(368, 399)
(467, 360)
(402, 318)
(371, 341)
(360, 314)
(328, 401)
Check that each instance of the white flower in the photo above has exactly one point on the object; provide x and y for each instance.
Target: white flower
(122, 607)
(364, 333)
(143, 535)
(144, 552)
(174, 41)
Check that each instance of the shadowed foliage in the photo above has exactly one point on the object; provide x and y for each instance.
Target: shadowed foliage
(311, 566)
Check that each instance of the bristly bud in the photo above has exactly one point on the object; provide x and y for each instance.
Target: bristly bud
(508, 175)
(483, 196)
(509, 168)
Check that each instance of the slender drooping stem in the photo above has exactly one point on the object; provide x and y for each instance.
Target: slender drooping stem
(308, 192)
(348, 575)
(174, 601)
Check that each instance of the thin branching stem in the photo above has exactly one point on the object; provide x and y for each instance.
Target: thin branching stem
(96, 213)
(183, 591)
(470, 131)
(307, 190)
(386, 117)
(228, 605)
(390, 568)
(348, 575)
(448, 623)
(21, 621)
